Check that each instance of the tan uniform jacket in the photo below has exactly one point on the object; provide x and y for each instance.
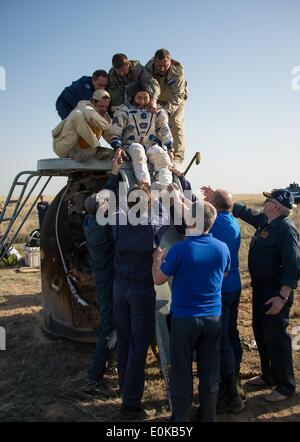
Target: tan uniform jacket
(82, 128)
(173, 86)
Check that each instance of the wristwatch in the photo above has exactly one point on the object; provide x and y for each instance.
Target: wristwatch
(282, 297)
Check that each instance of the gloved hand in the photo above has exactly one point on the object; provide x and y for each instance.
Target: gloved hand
(170, 148)
(116, 143)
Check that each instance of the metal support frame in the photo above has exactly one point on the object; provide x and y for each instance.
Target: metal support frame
(53, 167)
(19, 204)
(197, 158)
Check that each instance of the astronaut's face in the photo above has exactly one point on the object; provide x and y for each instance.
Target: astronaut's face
(162, 66)
(142, 99)
(123, 70)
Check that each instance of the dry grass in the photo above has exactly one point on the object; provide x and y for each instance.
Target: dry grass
(254, 201)
(30, 224)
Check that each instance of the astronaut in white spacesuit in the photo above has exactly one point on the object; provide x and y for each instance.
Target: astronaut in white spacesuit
(144, 135)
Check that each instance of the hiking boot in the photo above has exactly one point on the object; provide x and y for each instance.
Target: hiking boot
(136, 413)
(275, 396)
(80, 157)
(104, 153)
(231, 402)
(99, 387)
(258, 381)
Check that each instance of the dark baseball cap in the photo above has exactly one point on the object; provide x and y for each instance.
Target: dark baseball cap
(283, 196)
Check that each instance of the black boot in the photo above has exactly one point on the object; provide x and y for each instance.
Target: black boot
(240, 387)
(232, 401)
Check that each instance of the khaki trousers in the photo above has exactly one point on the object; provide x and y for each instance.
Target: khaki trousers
(176, 122)
(68, 139)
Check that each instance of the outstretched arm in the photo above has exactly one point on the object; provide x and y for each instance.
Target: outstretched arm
(208, 193)
(159, 277)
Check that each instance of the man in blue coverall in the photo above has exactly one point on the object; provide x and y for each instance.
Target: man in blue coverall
(42, 207)
(273, 263)
(133, 287)
(81, 89)
(99, 239)
(134, 296)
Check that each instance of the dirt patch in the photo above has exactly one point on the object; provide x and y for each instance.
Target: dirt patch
(43, 379)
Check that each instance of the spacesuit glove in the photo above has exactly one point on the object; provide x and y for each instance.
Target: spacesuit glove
(169, 146)
(116, 143)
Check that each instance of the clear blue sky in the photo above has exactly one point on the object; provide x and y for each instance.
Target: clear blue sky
(242, 113)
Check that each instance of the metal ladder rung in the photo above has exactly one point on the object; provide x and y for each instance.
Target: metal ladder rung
(20, 203)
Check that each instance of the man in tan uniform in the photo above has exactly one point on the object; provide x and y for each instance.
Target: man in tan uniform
(169, 74)
(77, 136)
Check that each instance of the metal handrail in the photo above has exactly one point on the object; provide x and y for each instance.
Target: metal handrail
(19, 205)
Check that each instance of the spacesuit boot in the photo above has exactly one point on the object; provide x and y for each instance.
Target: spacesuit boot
(139, 162)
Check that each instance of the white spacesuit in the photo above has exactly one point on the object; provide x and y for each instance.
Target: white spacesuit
(144, 135)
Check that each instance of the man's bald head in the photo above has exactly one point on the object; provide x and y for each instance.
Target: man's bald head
(223, 200)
